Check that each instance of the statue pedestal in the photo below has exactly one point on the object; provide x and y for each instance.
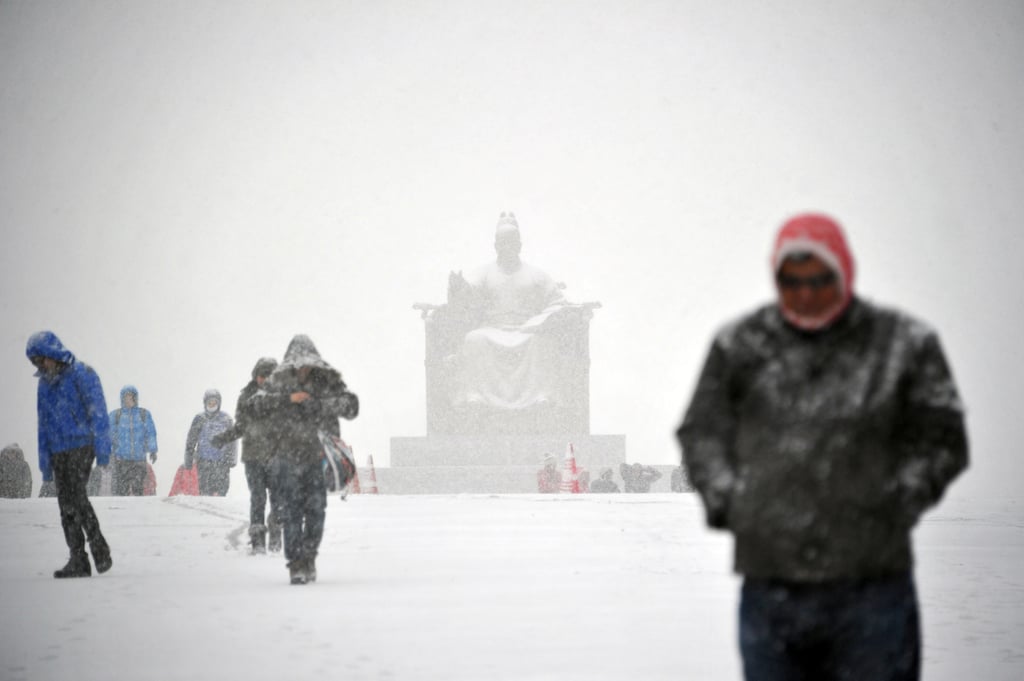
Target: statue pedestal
(493, 464)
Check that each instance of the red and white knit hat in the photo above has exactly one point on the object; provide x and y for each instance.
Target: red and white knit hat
(821, 236)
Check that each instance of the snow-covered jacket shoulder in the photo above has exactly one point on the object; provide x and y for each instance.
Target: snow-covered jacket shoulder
(820, 451)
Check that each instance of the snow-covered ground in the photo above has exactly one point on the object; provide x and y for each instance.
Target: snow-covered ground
(454, 587)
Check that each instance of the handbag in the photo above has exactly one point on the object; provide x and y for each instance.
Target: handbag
(337, 461)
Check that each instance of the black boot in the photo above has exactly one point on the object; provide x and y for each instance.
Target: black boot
(258, 538)
(297, 571)
(78, 566)
(310, 568)
(101, 554)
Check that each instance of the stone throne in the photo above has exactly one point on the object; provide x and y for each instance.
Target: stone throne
(566, 334)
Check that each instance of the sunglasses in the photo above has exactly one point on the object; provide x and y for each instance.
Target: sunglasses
(815, 283)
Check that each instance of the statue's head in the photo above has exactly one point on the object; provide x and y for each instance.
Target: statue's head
(507, 242)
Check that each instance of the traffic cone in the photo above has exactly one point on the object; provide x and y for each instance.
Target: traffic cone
(371, 482)
(570, 475)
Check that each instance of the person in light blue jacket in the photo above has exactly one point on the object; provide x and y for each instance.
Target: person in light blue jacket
(133, 435)
(74, 431)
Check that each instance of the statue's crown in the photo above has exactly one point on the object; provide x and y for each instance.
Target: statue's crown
(507, 221)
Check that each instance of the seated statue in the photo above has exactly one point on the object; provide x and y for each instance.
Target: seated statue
(508, 344)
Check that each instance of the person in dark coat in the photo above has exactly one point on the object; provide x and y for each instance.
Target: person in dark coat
(213, 463)
(256, 454)
(15, 474)
(637, 478)
(73, 432)
(821, 428)
(304, 395)
(605, 483)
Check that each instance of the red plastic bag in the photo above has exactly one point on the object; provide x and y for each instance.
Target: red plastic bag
(186, 481)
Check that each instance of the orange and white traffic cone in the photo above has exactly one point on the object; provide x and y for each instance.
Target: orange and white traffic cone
(570, 474)
(371, 482)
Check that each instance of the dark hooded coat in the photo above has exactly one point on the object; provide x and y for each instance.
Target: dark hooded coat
(255, 433)
(293, 428)
(15, 474)
(820, 451)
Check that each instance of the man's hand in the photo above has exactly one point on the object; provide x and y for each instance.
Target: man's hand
(300, 397)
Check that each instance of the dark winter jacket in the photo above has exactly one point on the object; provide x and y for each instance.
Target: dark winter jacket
(205, 426)
(15, 474)
(257, 446)
(820, 451)
(72, 410)
(132, 431)
(604, 484)
(293, 427)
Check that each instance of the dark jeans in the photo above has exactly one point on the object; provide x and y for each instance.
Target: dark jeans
(214, 477)
(849, 630)
(71, 474)
(257, 476)
(129, 477)
(301, 497)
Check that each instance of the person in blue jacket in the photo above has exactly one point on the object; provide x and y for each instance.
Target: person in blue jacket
(213, 462)
(74, 431)
(133, 435)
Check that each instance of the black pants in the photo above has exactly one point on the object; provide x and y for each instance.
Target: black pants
(71, 474)
(834, 631)
(257, 476)
(301, 495)
(129, 477)
(214, 478)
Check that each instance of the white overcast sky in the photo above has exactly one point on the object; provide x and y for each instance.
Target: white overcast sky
(186, 185)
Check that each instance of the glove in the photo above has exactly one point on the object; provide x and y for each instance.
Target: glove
(152, 457)
(219, 440)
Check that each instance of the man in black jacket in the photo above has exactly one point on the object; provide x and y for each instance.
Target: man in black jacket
(257, 450)
(821, 428)
(302, 397)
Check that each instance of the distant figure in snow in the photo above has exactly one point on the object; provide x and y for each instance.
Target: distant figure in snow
(549, 478)
(213, 463)
(15, 474)
(257, 450)
(637, 478)
(303, 396)
(133, 435)
(73, 432)
(605, 483)
(821, 428)
(678, 482)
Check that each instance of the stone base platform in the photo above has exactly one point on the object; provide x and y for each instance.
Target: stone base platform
(447, 464)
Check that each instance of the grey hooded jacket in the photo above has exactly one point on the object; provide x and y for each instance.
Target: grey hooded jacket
(292, 428)
(819, 452)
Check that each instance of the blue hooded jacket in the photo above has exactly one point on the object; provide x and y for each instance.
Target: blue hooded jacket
(72, 411)
(132, 431)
